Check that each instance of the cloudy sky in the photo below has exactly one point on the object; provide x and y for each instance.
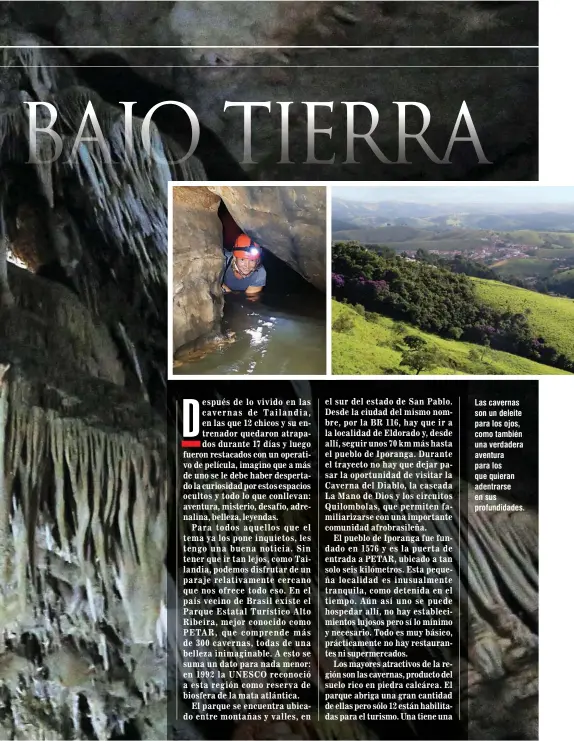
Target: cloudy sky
(458, 194)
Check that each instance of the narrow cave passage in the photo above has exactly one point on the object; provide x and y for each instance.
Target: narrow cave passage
(282, 280)
(280, 330)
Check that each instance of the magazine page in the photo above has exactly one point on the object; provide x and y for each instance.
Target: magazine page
(286, 329)
(381, 537)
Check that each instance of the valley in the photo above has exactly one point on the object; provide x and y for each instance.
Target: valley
(438, 286)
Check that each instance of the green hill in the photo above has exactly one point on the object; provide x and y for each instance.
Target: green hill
(556, 252)
(401, 238)
(528, 236)
(524, 267)
(414, 234)
(549, 316)
(564, 276)
(375, 348)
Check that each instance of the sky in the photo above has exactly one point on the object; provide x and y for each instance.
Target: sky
(457, 194)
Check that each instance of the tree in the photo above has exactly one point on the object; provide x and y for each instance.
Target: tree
(399, 328)
(425, 358)
(414, 342)
(454, 332)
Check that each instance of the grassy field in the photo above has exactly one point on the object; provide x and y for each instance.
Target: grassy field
(457, 237)
(555, 254)
(528, 236)
(564, 275)
(524, 267)
(409, 238)
(550, 316)
(374, 348)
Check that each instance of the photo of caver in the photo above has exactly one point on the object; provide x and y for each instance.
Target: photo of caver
(244, 269)
(248, 275)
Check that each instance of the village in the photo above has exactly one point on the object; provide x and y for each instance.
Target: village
(492, 250)
(496, 249)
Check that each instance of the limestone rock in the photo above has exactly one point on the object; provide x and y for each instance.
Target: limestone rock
(197, 263)
(51, 319)
(288, 221)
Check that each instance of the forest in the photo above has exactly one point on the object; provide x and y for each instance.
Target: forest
(436, 299)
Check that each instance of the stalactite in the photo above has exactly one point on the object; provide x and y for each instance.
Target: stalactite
(6, 297)
(43, 147)
(130, 349)
(124, 198)
(85, 541)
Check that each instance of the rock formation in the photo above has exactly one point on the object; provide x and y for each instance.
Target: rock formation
(289, 222)
(500, 100)
(84, 473)
(197, 263)
(87, 649)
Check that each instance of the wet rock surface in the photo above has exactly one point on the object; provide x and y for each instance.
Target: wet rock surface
(290, 222)
(197, 264)
(200, 347)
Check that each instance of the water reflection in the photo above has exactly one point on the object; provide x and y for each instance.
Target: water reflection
(278, 334)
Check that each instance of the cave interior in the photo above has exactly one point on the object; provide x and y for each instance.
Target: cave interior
(281, 277)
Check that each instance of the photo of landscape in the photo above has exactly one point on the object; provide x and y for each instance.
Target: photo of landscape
(443, 280)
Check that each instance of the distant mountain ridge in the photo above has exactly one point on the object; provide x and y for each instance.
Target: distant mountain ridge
(360, 215)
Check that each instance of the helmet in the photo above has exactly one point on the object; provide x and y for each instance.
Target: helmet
(246, 248)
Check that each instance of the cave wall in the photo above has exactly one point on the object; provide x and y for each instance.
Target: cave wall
(84, 473)
(227, 73)
(290, 222)
(197, 263)
(48, 321)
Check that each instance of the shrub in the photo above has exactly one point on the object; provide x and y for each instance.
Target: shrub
(454, 332)
(343, 323)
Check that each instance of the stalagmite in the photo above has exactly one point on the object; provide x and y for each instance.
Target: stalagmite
(130, 349)
(6, 297)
